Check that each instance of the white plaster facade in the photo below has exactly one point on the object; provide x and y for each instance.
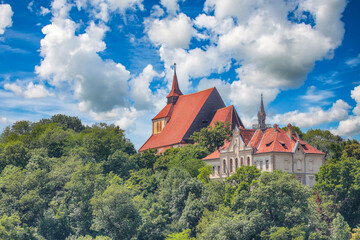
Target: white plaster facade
(236, 154)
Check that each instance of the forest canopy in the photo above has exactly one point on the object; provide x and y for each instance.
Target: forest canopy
(62, 180)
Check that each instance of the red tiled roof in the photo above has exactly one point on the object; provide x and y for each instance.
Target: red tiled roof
(227, 114)
(255, 139)
(272, 140)
(216, 154)
(213, 155)
(165, 112)
(246, 135)
(277, 140)
(181, 119)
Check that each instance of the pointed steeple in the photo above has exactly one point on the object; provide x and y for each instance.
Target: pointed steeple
(262, 115)
(175, 90)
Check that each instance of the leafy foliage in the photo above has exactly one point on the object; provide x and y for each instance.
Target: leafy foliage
(213, 138)
(62, 180)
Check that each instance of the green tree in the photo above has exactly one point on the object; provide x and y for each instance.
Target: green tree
(352, 149)
(356, 234)
(213, 137)
(56, 141)
(184, 235)
(114, 211)
(191, 214)
(297, 130)
(325, 141)
(14, 153)
(281, 199)
(239, 184)
(341, 229)
(11, 228)
(119, 163)
(75, 206)
(68, 122)
(187, 158)
(340, 181)
(204, 174)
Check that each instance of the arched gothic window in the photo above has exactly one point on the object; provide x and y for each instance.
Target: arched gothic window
(236, 164)
(248, 161)
(231, 165)
(241, 161)
(224, 166)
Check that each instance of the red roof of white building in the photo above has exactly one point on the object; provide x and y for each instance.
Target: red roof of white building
(272, 139)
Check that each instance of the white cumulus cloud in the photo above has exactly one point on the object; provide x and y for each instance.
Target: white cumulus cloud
(140, 89)
(102, 9)
(273, 44)
(171, 6)
(350, 126)
(30, 91)
(73, 59)
(315, 115)
(174, 32)
(6, 14)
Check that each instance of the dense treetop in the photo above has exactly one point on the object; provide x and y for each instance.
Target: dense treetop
(60, 179)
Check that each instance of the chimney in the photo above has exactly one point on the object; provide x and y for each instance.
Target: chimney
(289, 130)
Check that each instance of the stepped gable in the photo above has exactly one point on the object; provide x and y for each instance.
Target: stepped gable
(227, 114)
(186, 118)
(277, 140)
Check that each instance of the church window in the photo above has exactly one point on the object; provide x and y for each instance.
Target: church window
(224, 166)
(267, 164)
(248, 161)
(218, 170)
(236, 164)
(261, 164)
(231, 165)
(311, 165)
(286, 164)
(299, 179)
(213, 169)
(298, 164)
(241, 161)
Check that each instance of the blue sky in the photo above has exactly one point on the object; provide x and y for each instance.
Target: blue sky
(111, 60)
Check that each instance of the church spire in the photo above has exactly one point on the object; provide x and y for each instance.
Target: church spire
(175, 90)
(262, 115)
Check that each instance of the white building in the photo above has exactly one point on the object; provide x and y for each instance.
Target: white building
(267, 148)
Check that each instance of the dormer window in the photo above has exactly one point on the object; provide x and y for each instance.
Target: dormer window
(158, 125)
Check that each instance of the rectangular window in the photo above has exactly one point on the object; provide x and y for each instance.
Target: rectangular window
(311, 168)
(261, 164)
(298, 164)
(267, 164)
(286, 164)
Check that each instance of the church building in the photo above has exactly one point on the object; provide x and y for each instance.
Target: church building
(185, 114)
(268, 148)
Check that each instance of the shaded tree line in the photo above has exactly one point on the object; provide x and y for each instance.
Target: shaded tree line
(62, 180)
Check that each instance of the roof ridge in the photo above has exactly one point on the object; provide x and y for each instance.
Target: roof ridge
(197, 92)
